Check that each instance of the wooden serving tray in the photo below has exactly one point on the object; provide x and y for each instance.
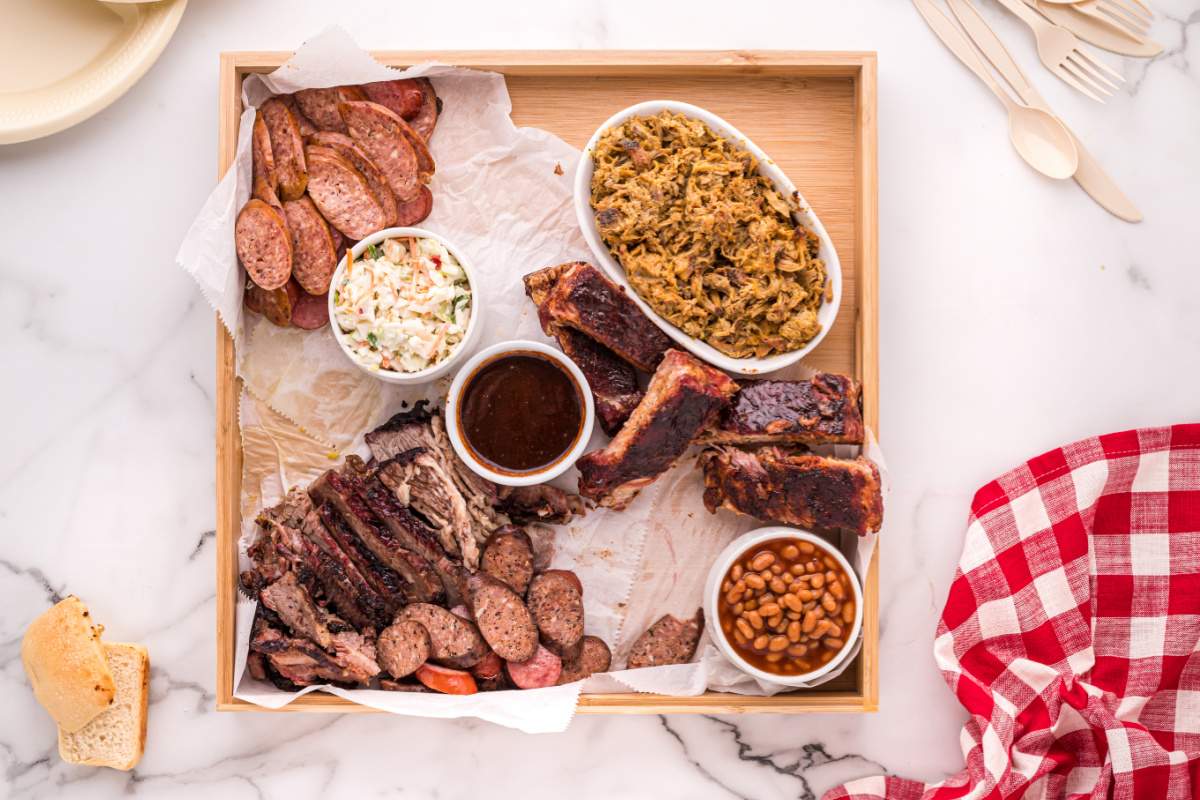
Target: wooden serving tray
(814, 113)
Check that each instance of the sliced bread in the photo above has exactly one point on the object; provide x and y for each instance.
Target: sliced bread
(117, 736)
(66, 665)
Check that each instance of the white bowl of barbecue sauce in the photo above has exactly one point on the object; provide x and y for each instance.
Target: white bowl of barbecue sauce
(519, 413)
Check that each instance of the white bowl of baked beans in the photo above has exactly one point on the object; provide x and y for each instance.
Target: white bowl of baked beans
(783, 605)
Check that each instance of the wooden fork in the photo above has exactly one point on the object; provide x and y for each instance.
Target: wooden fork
(1128, 16)
(1064, 55)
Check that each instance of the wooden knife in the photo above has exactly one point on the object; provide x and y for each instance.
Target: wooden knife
(1096, 32)
(1089, 176)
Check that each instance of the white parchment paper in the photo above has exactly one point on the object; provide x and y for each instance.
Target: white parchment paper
(502, 194)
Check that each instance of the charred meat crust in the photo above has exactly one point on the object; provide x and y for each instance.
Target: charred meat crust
(826, 409)
(797, 488)
(683, 398)
(585, 299)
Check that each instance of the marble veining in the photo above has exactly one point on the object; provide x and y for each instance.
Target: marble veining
(1015, 316)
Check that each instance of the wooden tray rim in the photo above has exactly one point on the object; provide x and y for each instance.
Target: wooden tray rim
(860, 66)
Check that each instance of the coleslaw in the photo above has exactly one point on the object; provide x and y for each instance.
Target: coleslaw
(403, 305)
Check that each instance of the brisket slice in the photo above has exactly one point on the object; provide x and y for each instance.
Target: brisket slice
(420, 480)
(684, 397)
(297, 611)
(343, 585)
(612, 380)
(279, 546)
(796, 488)
(400, 575)
(586, 300)
(824, 410)
(303, 663)
(412, 534)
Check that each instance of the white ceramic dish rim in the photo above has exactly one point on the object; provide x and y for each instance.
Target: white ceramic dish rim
(473, 325)
(36, 113)
(712, 594)
(828, 312)
(527, 479)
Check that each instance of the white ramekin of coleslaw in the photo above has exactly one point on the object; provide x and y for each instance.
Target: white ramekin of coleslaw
(403, 305)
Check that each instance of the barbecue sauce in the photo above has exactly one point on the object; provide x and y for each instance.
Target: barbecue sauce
(521, 412)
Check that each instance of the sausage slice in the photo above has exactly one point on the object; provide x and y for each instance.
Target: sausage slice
(431, 108)
(263, 244)
(594, 657)
(508, 557)
(344, 145)
(313, 254)
(403, 96)
(261, 157)
(380, 134)
(311, 311)
(410, 212)
(670, 640)
(453, 640)
(321, 105)
(502, 618)
(287, 148)
(277, 305)
(556, 603)
(402, 647)
(543, 669)
(342, 194)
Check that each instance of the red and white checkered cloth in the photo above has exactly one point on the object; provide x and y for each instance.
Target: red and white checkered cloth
(1072, 629)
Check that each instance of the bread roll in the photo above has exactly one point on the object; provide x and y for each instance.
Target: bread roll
(65, 662)
(117, 737)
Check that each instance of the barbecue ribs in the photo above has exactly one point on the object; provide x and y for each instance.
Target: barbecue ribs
(612, 380)
(584, 299)
(684, 397)
(823, 410)
(796, 488)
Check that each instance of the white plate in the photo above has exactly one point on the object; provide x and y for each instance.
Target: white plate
(587, 221)
(61, 61)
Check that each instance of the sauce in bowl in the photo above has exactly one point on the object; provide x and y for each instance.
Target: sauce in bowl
(520, 412)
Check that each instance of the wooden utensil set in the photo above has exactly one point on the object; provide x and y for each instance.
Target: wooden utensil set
(1060, 27)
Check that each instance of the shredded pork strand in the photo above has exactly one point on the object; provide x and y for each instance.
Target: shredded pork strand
(705, 239)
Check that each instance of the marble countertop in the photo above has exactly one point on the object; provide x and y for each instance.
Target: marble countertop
(1016, 315)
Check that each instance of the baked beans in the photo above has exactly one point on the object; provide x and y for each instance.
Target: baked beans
(786, 606)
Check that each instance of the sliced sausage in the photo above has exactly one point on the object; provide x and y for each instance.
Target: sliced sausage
(313, 255)
(556, 602)
(431, 108)
(263, 244)
(508, 557)
(311, 311)
(321, 105)
(261, 157)
(402, 647)
(342, 194)
(277, 305)
(403, 96)
(489, 667)
(502, 618)
(343, 144)
(594, 657)
(543, 669)
(287, 148)
(263, 190)
(447, 681)
(410, 212)
(380, 134)
(402, 686)
(670, 640)
(453, 641)
(425, 165)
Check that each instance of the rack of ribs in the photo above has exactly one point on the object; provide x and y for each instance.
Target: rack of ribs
(683, 398)
(584, 299)
(612, 380)
(795, 488)
(824, 410)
